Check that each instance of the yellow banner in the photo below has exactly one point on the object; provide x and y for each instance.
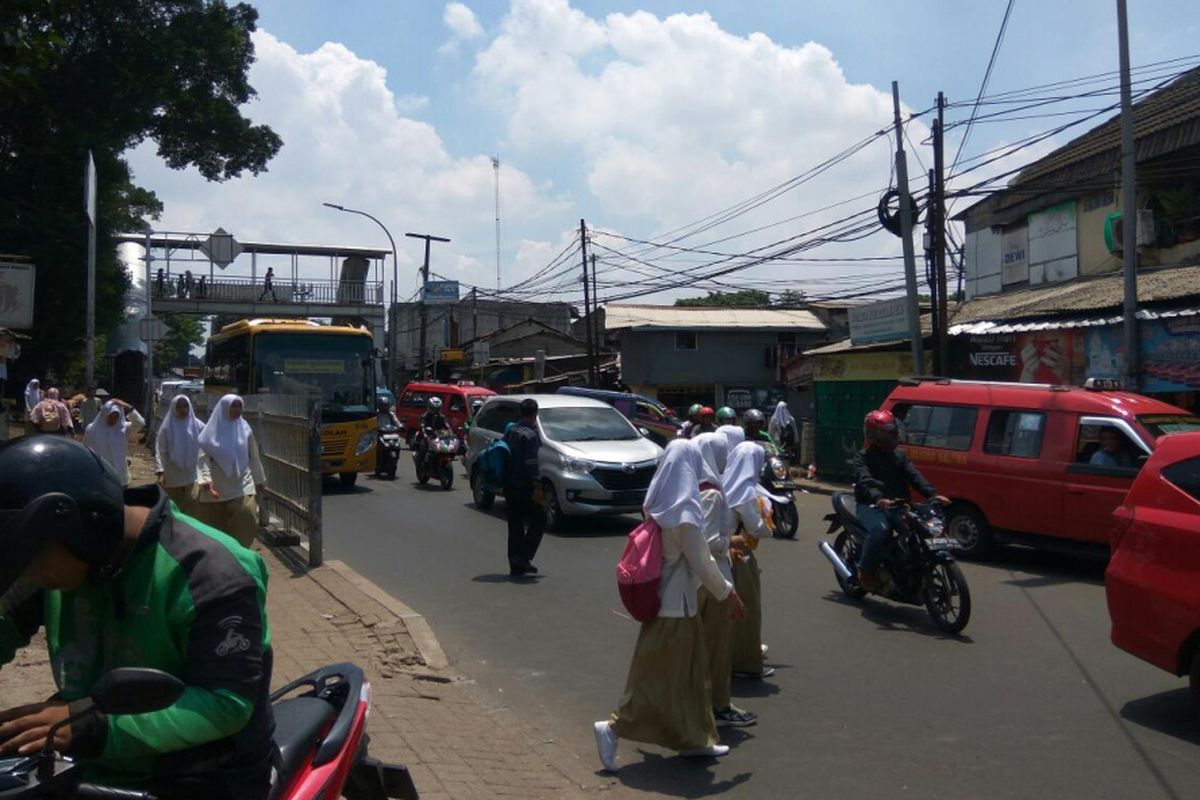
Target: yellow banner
(865, 366)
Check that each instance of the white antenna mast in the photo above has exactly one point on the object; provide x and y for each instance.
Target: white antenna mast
(496, 170)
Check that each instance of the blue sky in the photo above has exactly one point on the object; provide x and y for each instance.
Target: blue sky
(635, 122)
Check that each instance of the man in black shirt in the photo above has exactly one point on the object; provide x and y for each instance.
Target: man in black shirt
(523, 491)
(882, 476)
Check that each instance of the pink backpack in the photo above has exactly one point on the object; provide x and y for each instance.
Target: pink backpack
(639, 572)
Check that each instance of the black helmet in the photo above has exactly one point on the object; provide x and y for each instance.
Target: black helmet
(53, 489)
(752, 416)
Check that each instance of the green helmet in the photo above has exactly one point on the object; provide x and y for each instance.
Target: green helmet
(694, 410)
(726, 414)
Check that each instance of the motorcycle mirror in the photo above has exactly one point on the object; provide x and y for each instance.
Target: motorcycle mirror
(136, 690)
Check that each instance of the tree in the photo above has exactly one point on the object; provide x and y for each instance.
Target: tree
(790, 298)
(187, 331)
(78, 75)
(744, 297)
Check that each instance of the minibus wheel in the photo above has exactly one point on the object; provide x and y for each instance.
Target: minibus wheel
(968, 525)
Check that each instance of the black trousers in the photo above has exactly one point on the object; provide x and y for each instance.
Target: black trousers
(526, 524)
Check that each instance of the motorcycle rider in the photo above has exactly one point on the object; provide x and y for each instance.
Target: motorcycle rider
(432, 421)
(118, 579)
(755, 424)
(726, 416)
(385, 416)
(883, 474)
(708, 422)
(693, 420)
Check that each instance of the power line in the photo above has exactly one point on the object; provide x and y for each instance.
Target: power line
(987, 75)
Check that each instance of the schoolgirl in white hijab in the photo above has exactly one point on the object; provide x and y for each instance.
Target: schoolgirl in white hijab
(177, 452)
(106, 438)
(734, 434)
(714, 453)
(33, 395)
(781, 420)
(750, 505)
(667, 699)
(231, 472)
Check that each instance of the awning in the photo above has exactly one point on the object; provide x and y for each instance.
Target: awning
(980, 328)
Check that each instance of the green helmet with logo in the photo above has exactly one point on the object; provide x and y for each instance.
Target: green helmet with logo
(726, 415)
(694, 410)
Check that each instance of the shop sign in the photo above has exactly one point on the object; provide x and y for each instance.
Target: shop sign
(1053, 357)
(1014, 254)
(885, 321)
(866, 366)
(743, 398)
(798, 371)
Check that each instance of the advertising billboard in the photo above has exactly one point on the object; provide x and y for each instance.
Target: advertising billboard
(16, 295)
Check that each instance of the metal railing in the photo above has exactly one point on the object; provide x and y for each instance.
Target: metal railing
(249, 290)
(288, 431)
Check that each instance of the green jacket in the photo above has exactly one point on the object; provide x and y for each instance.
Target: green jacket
(190, 601)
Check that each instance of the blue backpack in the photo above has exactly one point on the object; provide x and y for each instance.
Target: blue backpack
(492, 463)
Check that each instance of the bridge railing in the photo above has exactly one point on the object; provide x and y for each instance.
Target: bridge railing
(249, 290)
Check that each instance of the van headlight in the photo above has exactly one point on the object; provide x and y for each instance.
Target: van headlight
(365, 443)
(572, 464)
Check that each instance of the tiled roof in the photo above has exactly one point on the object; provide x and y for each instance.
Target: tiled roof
(618, 316)
(1078, 297)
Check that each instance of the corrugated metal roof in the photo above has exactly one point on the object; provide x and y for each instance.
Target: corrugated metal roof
(1089, 297)
(1165, 121)
(1058, 324)
(690, 318)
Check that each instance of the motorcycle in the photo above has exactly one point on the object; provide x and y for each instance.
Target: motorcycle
(387, 451)
(777, 479)
(434, 457)
(320, 735)
(916, 566)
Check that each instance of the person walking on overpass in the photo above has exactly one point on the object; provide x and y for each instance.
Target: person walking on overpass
(268, 285)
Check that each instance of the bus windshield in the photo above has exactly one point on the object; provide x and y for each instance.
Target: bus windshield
(338, 367)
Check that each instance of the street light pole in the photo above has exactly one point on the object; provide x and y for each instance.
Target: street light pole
(424, 280)
(390, 380)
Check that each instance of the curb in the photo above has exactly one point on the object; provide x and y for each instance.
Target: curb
(422, 635)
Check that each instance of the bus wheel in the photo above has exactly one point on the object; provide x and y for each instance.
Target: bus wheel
(347, 479)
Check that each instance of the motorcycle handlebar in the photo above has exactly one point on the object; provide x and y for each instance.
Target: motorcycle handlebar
(94, 792)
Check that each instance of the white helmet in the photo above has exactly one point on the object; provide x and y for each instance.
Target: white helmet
(435, 404)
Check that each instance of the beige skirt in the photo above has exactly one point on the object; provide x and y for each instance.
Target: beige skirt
(714, 617)
(668, 696)
(237, 517)
(746, 636)
(184, 497)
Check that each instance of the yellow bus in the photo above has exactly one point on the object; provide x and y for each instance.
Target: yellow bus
(297, 356)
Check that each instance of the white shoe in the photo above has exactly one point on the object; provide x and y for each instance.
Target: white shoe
(764, 649)
(716, 751)
(606, 744)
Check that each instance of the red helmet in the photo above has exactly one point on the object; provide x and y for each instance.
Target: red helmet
(707, 411)
(881, 430)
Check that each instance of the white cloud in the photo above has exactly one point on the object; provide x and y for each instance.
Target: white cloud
(347, 140)
(675, 118)
(463, 24)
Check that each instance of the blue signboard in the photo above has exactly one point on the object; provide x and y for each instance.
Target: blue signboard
(441, 292)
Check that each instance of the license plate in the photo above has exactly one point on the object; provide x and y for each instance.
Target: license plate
(941, 543)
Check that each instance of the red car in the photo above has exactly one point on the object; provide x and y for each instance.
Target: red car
(1153, 578)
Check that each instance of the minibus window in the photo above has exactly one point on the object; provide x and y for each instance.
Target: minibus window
(1015, 433)
(947, 427)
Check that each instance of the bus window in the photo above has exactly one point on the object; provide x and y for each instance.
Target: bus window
(336, 367)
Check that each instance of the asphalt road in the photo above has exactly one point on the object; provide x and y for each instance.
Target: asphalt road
(869, 700)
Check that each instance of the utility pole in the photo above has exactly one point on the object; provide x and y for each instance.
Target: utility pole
(593, 322)
(475, 327)
(906, 229)
(1128, 205)
(591, 354)
(89, 204)
(587, 317)
(423, 308)
(150, 340)
(937, 214)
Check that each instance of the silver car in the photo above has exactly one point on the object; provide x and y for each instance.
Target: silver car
(592, 461)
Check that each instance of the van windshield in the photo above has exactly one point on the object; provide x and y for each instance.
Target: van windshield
(586, 425)
(1162, 424)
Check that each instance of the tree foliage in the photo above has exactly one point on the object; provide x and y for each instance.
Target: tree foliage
(78, 75)
(187, 331)
(745, 297)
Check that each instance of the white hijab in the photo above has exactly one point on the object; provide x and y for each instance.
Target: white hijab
(734, 434)
(108, 441)
(740, 480)
(782, 417)
(714, 452)
(227, 440)
(33, 394)
(673, 498)
(182, 435)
